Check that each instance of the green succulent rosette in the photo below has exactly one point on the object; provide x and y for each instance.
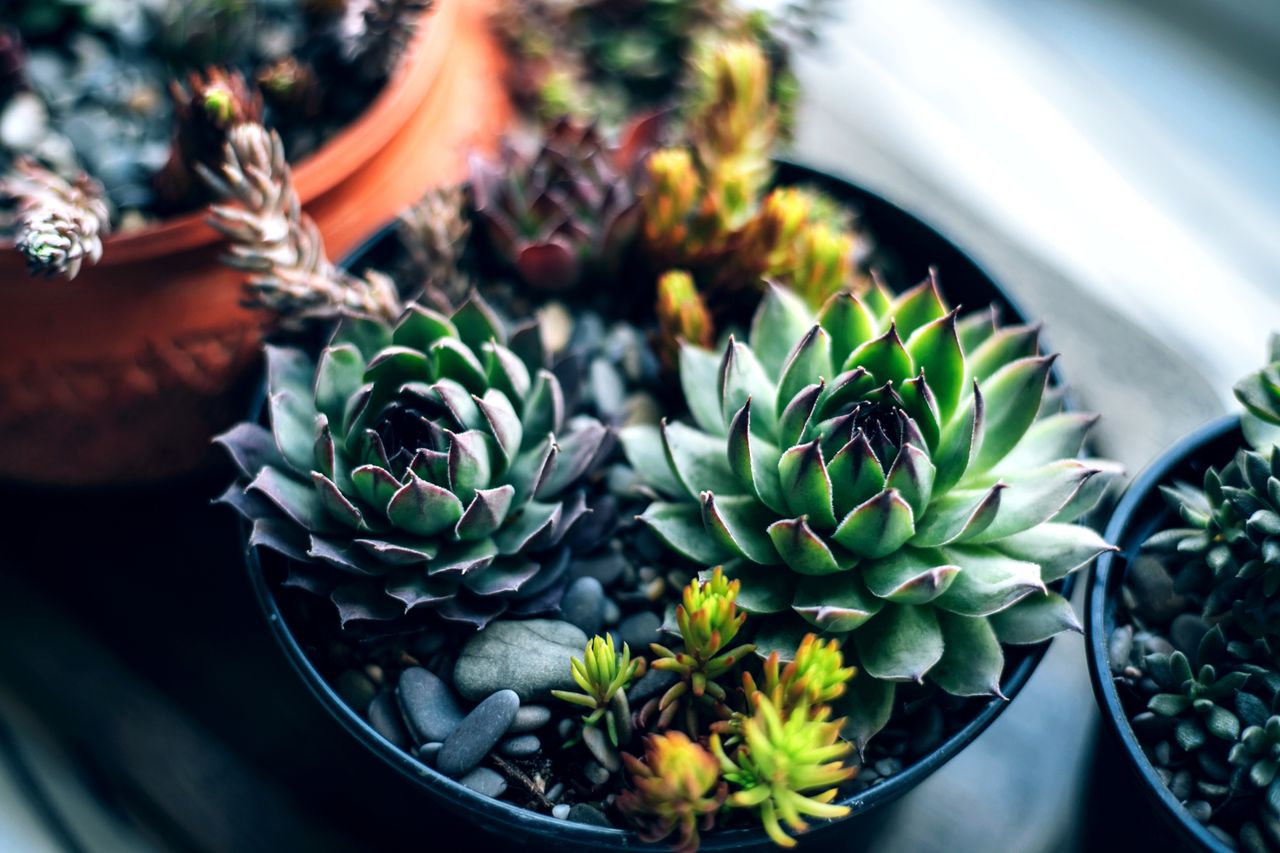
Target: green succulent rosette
(425, 465)
(884, 469)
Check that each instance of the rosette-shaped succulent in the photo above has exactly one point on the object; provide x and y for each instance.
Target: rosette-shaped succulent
(567, 209)
(603, 675)
(428, 465)
(816, 675)
(1259, 393)
(879, 469)
(59, 223)
(1197, 699)
(1231, 541)
(676, 788)
(1257, 758)
(787, 766)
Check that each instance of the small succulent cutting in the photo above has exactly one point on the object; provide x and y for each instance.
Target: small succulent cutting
(59, 223)
(426, 465)
(881, 470)
(676, 790)
(603, 674)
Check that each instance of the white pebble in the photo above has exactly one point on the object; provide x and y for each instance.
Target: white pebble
(561, 811)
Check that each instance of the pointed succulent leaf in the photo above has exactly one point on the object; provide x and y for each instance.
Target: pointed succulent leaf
(742, 378)
(699, 374)
(1049, 439)
(988, 581)
(935, 349)
(958, 516)
(399, 550)
(339, 374)
(452, 359)
(375, 486)
(423, 508)
(754, 462)
(470, 462)
(646, 454)
(909, 575)
(919, 404)
(1058, 549)
(367, 334)
(698, 460)
(856, 475)
(960, 442)
(1012, 399)
(849, 323)
(1034, 619)
(578, 449)
(739, 524)
(1034, 497)
(532, 468)
(884, 357)
(1001, 347)
(836, 603)
(250, 447)
(912, 476)
(877, 527)
(804, 550)
(463, 559)
(796, 415)
(971, 658)
(1106, 473)
(296, 499)
(765, 589)
(506, 372)
(680, 526)
(460, 404)
(781, 318)
(396, 365)
(845, 390)
(900, 643)
(806, 484)
(808, 361)
(289, 370)
(502, 578)
(524, 527)
(543, 408)
(293, 426)
(866, 706)
(414, 589)
(420, 327)
(919, 305)
(477, 325)
(504, 423)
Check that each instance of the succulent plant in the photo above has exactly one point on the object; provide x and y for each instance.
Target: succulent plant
(1231, 541)
(564, 211)
(206, 109)
(1259, 393)
(1196, 699)
(428, 466)
(787, 766)
(289, 86)
(675, 789)
(1257, 759)
(865, 471)
(603, 674)
(434, 233)
(816, 675)
(272, 238)
(59, 224)
(708, 620)
(682, 315)
(374, 34)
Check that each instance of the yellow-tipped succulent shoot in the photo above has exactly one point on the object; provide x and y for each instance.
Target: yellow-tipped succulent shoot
(709, 620)
(787, 767)
(603, 675)
(816, 675)
(676, 788)
(682, 315)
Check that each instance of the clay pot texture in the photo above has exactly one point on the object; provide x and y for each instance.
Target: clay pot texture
(122, 375)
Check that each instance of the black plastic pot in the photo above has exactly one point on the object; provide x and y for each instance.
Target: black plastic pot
(1134, 810)
(912, 247)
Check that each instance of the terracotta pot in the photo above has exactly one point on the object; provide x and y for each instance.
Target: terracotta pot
(122, 375)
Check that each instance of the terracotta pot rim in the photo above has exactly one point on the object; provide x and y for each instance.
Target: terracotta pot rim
(322, 170)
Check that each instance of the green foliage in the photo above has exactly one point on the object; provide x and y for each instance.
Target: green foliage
(603, 675)
(676, 788)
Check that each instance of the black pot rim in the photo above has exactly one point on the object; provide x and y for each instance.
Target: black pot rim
(545, 826)
(1096, 627)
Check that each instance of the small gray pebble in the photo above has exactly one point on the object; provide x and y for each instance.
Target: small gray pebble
(1180, 785)
(596, 774)
(1215, 768)
(529, 656)
(1152, 588)
(1211, 792)
(583, 605)
(588, 814)
(1200, 810)
(384, 716)
(639, 630)
(888, 766)
(565, 729)
(428, 705)
(1186, 632)
(1120, 647)
(653, 683)
(530, 718)
(428, 752)
(520, 746)
(606, 569)
(600, 748)
(482, 780)
(612, 612)
(556, 792)
(561, 811)
(478, 733)
(1163, 753)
